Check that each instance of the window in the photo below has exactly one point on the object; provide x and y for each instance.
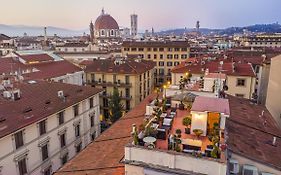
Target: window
(22, 166)
(127, 91)
(91, 102)
(161, 56)
(42, 127)
(77, 130)
(127, 79)
(76, 110)
(155, 49)
(161, 71)
(140, 49)
(176, 63)
(61, 117)
(140, 77)
(176, 56)
(112, 32)
(170, 49)
(169, 63)
(170, 56)
(183, 49)
(161, 63)
(241, 82)
(78, 147)
(92, 120)
(161, 49)
(155, 56)
(19, 139)
(148, 56)
(44, 150)
(64, 159)
(183, 56)
(128, 105)
(134, 49)
(148, 49)
(62, 140)
(93, 136)
(47, 171)
(177, 49)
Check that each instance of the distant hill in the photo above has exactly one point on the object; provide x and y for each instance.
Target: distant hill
(268, 28)
(19, 30)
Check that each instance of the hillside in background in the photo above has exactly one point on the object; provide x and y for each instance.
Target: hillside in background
(19, 30)
(267, 28)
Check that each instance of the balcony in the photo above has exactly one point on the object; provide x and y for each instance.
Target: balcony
(110, 84)
(123, 97)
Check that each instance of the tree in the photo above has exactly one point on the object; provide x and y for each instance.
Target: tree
(116, 108)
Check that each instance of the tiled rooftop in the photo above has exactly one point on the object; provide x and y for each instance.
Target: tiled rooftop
(250, 133)
(38, 100)
(51, 70)
(127, 67)
(103, 156)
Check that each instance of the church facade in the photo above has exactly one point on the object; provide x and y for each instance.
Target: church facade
(105, 29)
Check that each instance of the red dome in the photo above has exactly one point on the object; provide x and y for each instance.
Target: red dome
(105, 21)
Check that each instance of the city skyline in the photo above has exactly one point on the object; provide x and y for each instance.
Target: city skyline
(172, 14)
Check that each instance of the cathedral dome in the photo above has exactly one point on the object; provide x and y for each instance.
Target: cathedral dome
(105, 21)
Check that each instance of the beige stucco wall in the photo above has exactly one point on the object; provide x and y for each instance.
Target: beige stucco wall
(134, 80)
(273, 100)
(246, 90)
(31, 138)
(173, 161)
(165, 52)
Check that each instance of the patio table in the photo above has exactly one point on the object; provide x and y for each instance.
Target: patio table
(149, 139)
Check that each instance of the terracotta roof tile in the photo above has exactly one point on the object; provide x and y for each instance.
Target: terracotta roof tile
(108, 148)
(42, 99)
(128, 67)
(51, 70)
(249, 136)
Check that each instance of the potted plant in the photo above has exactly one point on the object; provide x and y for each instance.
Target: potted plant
(187, 122)
(178, 132)
(198, 132)
(215, 152)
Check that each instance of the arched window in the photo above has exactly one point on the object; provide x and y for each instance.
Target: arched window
(112, 32)
(102, 32)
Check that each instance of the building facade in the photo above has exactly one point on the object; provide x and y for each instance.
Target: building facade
(273, 99)
(132, 78)
(166, 55)
(264, 41)
(54, 123)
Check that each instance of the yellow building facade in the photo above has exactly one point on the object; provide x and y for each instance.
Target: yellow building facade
(166, 55)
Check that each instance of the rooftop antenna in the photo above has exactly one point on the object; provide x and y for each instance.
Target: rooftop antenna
(102, 11)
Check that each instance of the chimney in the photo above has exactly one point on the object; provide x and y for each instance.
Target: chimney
(274, 141)
(207, 71)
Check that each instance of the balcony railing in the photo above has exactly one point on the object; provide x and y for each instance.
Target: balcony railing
(125, 97)
(104, 83)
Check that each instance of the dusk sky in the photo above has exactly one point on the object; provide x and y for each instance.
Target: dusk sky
(160, 14)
